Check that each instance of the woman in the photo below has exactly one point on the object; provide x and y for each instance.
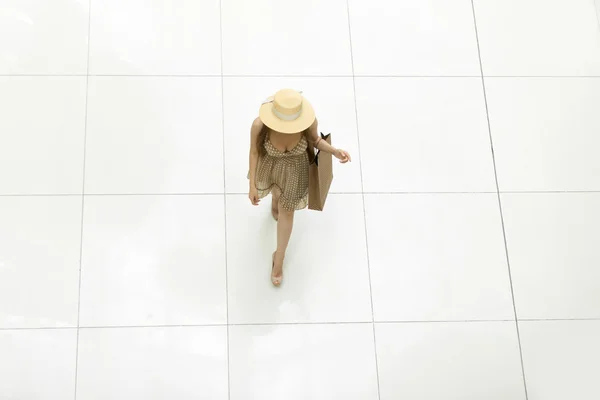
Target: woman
(283, 139)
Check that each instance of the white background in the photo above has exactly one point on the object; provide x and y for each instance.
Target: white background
(457, 257)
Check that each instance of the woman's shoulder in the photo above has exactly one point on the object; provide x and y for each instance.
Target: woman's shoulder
(257, 124)
(257, 127)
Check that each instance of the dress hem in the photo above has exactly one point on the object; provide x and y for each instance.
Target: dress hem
(301, 203)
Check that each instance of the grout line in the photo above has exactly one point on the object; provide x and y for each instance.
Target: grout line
(556, 319)
(331, 193)
(87, 81)
(450, 321)
(362, 190)
(41, 328)
(512, 291)
(224, 198)
(42, 195)
(294, 76)
(384, 193)
(547, 191)
(543, 76)
(43, 75)
(399, 322)
(154, 194)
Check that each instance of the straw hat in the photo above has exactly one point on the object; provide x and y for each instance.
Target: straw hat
(287, 112)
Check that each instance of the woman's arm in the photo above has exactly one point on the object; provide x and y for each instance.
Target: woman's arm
(319, 144)
(257, 126)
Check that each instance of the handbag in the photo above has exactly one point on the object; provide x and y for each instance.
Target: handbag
(320, 176)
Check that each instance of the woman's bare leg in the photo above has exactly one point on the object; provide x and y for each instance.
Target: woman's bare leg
(275, 193)
(284, 232)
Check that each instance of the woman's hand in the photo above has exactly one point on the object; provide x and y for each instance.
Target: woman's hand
(342, 155)
(253, 196)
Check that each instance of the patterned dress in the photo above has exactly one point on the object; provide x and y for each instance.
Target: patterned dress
(286, 170)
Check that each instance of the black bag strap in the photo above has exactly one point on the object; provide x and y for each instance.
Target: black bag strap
(323, 137)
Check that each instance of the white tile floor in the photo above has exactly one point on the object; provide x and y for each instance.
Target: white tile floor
(133, 267)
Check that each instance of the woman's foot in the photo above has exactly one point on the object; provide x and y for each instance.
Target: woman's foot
(276, 272)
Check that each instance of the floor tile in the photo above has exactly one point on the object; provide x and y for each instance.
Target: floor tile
(39, 261)
(561, 359)
(154, 135)
(545, 133)
(38, 364)
(553, 257)
(42, 131)
(450, 361)
(284, 37)
(124, 209)
(538, 37)
(42, 37)
(403, 37)
(318, 362)
(424, 135)
(153, 363)
(153, 260)
(325, 272)
(333, 100)
(140, 37)
(437, 258)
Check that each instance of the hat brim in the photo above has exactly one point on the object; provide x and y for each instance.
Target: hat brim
(300, 124)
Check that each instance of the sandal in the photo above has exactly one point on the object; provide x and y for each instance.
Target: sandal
(275, 280)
